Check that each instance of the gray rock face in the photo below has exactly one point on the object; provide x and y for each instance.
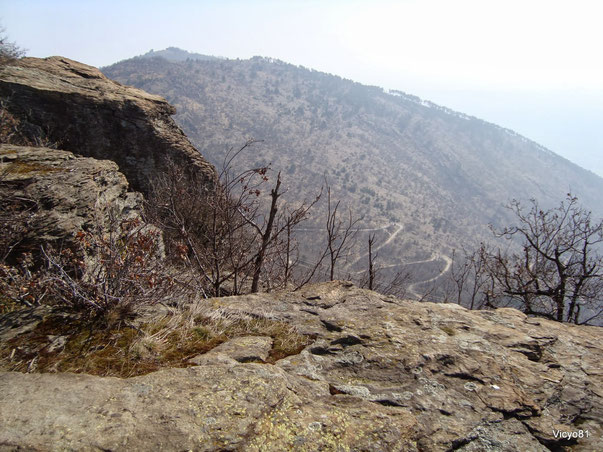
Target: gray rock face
(80, 110)
(380, 374)
(65, 194)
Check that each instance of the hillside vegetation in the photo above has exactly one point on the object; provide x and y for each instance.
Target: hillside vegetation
(426, 179)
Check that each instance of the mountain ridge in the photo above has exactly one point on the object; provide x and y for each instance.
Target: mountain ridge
(175, 55)
(452, 112)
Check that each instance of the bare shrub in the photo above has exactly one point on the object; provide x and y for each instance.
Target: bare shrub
(119, 266)
(8, 50)
(468, 284)
(220, 235)
(122, 267)
(340, 233)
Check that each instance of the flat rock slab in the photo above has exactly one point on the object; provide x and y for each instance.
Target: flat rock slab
(380, 374)
(252, 407)
(243, 349)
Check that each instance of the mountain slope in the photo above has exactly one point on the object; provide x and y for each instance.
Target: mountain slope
(399, 161)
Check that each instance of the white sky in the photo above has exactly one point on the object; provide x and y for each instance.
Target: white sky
(534, 66)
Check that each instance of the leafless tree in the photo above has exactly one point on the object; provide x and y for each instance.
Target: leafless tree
(276, 238)
(290, 257)
(397, 285)
(313, 270)
(558, 272)
(371, 262)
(340, 233)
(468, 283)
(265, 234)
(205, 225)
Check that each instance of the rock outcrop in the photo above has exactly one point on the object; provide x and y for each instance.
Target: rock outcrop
(76, 108)
(379, 374)
(47, 196)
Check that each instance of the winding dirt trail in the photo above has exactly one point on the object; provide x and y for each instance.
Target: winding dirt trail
(448, 260)
(359, 230)
(387, 242)
(399, 228)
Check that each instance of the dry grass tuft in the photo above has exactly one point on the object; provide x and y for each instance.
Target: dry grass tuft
(124, 346)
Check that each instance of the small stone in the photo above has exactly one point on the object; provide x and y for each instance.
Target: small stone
(470, 386)
(243, 349)
(315, 426)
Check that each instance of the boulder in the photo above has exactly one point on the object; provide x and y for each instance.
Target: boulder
(242, 349)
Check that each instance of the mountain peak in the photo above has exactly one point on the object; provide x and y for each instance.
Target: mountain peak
(175, 54)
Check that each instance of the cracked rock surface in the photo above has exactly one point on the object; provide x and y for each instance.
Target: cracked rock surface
(380, 374)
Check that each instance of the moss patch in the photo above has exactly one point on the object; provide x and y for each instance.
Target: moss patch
(448, 330)
(26, 168)
(63, 342)
(60, 344)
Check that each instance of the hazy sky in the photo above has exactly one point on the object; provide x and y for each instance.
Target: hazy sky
(534, 66)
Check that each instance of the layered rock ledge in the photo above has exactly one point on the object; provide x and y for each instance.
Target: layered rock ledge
(74, 107)
(49, 195)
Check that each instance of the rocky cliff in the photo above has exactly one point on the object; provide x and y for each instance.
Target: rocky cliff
(378, 373)
(76, 108)
(70, 136)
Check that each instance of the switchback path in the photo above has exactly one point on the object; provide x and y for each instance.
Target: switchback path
(399, 228)
(448, 260)
(387, 242)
